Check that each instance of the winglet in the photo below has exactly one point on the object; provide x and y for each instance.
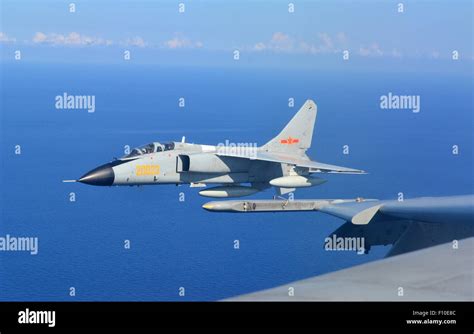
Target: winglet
(365, 216)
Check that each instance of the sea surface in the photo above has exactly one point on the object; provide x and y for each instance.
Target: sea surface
(175, 243)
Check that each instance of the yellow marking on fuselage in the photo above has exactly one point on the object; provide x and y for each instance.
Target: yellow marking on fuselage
(145, 170)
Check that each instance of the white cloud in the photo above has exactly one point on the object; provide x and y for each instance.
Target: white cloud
(4, 38)
(136, 41)
(278, 42)
(280, 37)
(181, 42)
(308, 48)
(72, 39)
(259, 46)
(323, 43)
(39, 37)
(281, 42)
(327, 44)
(372, 50)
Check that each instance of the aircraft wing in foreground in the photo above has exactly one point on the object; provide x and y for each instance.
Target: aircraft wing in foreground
(408, 225)
(438, 273)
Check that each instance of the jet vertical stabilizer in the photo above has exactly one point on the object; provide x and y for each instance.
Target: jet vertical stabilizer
(296, 137)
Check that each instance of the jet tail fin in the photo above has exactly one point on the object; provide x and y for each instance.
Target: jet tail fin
(297, 135)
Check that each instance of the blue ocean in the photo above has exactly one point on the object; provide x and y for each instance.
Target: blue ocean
(176, 244)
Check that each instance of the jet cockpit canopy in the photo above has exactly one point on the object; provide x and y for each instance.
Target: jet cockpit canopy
(150, 148)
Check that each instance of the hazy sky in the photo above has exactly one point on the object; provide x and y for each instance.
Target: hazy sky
(263, 31)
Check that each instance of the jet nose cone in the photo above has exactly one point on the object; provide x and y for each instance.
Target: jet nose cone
(100, 176)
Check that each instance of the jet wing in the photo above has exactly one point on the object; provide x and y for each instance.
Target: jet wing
(459, 209)
(439, 273)
(315, 167)
(409, 225)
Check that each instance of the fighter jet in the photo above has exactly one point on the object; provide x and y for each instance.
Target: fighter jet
(239, 170)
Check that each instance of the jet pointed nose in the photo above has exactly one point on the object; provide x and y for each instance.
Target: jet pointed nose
(101, 176)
